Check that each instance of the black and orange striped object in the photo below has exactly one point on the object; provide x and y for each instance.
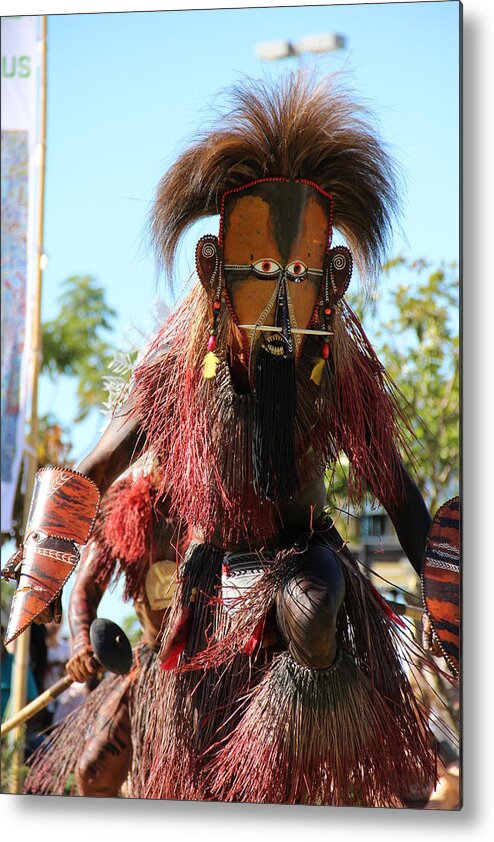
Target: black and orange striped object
(441, 583)
(62, 514)
(64, 504)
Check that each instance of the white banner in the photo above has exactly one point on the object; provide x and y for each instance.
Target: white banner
(20, 97)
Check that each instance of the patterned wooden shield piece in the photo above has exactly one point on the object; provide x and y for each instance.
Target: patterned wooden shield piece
(441, 581)
(47, 564)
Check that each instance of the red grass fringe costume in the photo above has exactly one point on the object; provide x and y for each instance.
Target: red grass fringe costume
(228, 726)
(216, 728)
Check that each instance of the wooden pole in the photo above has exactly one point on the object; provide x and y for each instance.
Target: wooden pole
(21, 659)
(39, 703)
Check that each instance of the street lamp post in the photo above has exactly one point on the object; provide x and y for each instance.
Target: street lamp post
(326, 42)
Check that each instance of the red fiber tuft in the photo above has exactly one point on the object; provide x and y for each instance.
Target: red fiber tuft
(256, 639)
(177, 637)
(129, 525)
(386, 607)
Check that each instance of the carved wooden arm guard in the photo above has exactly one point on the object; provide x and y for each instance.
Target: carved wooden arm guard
(62, 514)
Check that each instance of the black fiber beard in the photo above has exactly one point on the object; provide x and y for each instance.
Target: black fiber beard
(273, 441)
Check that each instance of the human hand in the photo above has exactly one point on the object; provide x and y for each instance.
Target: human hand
(41, 566)
(52, 613)
(429, 640)
(82, 665)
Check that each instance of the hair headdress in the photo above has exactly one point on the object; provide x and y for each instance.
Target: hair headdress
(295, 128)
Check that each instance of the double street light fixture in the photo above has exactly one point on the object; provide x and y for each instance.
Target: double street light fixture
(322, 43)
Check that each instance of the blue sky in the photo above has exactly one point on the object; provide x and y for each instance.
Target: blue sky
(126, 90)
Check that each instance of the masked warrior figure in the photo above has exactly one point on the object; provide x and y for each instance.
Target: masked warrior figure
(283, 673)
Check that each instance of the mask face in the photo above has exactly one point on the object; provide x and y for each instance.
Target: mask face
(275, 237)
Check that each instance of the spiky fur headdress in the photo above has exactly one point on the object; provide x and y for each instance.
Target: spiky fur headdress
(294, 128)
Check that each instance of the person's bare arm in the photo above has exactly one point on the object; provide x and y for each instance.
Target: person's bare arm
(411, 520)
(404, 504)
(119, 446)
(84, 600)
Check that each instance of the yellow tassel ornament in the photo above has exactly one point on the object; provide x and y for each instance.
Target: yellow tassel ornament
(210, 361)
(209, 365)
(317, 372)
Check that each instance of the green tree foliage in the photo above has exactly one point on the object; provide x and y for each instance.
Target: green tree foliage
(75, 342)
(54, 445)
(6, 594)
(418, 342)
(414, 327)
(132, 629)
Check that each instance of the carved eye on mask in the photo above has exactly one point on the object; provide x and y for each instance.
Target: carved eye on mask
(296, 271)
(269, 268)
(266, 268)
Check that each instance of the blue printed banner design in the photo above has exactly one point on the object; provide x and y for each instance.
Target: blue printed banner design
(14, 280)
